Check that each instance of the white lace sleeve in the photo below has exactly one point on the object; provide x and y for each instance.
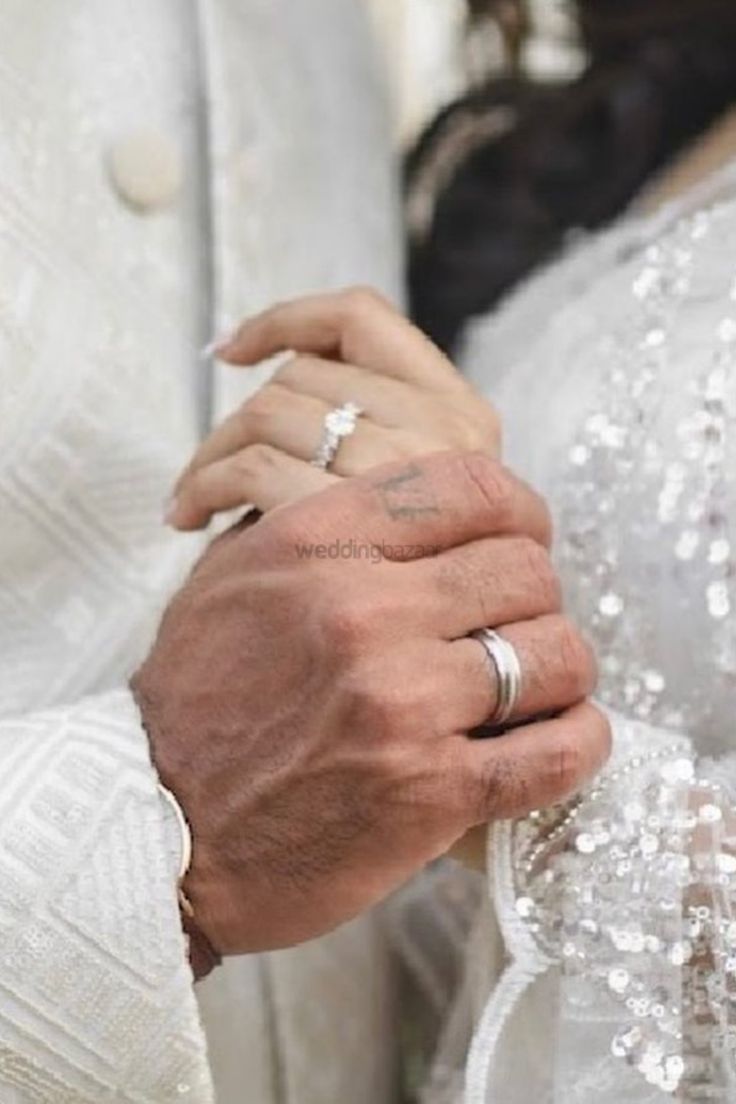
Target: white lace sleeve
(96, 998)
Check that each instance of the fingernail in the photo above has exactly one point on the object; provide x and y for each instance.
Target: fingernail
(171, 509)
(215, 347)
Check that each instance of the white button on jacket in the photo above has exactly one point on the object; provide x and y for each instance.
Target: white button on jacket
(146, 169)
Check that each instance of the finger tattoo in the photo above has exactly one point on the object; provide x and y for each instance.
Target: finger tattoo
(408, 494)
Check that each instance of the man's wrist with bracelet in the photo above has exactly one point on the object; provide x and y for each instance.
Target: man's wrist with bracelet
(203, 957)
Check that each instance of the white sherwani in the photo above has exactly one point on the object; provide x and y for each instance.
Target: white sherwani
(165, 167)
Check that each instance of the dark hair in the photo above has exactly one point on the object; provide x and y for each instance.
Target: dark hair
(521, 164)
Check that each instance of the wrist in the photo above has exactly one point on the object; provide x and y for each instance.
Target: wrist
(203, 958)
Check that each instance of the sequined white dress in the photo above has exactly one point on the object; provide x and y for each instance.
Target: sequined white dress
(608, 955)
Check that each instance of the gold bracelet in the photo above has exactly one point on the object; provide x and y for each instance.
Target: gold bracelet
(202, 955)
(186, 847)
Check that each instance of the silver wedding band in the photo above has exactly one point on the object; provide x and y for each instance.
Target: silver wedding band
(338, 424)
(507, 673)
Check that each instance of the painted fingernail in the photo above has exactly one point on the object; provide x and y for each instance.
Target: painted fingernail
(209, 350)
(216, 347)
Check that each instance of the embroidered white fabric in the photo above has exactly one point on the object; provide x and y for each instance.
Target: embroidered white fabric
(615, 973)
(102, 312)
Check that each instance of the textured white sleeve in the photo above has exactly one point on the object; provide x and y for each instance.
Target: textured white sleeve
(96, 996)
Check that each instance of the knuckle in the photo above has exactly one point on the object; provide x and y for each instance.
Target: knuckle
(255, 415)
(370, 708)
(569, 766)
(451, 572)
(253, 460)
(499, 786)
(465, 582)
(388, 767)
(349, 624)
(381, 716)
(289, 529)
(576, 660)
(601, 735)
(536, 565)
(290, 372)
(451, 576)
(361, 299)
(242, 466)
(493, 482)
(581, 750)
(262, 402)
(383, 705)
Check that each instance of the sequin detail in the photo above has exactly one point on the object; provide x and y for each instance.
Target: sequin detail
(632, 890)
(648, 493)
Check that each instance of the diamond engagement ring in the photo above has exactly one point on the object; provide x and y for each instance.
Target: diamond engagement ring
(339, 423)
(507, 673)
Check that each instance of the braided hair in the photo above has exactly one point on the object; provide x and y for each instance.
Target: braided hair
(502, 177)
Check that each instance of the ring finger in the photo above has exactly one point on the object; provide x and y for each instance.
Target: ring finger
(292, 424)
(558, 669)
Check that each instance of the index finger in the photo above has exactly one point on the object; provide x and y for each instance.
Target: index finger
(431, 504)
(358, 326)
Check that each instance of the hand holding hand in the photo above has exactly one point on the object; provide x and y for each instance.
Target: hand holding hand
(312, 714)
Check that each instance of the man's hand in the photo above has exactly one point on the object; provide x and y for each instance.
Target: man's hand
(311, 713)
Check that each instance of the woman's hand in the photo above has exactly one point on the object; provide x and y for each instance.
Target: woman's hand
(351, 346)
